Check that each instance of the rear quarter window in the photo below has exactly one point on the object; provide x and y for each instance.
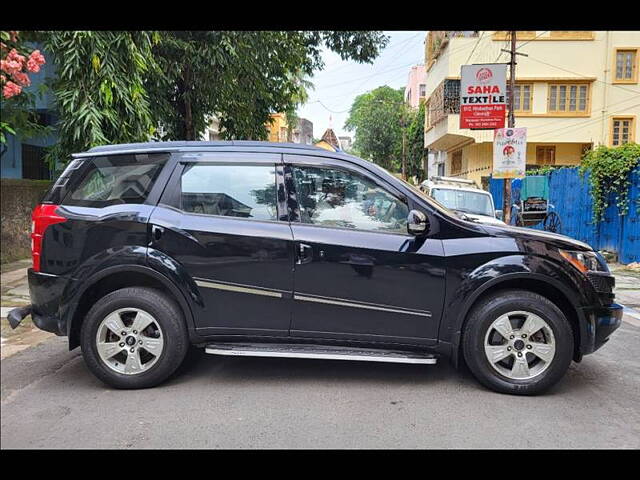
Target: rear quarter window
(113, 180)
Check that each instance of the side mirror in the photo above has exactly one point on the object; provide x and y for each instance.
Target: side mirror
(417, 223)
(499, 214)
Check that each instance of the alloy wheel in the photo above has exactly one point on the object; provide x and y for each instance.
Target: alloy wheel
(129, 341)
(520, 345)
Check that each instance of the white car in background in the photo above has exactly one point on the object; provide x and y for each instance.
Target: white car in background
(465, 198)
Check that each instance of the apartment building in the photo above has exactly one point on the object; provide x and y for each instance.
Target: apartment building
(574, 90)
(279, 130)
(415, 90)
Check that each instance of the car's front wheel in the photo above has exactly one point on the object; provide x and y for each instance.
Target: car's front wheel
(134, 338)
(517, 342)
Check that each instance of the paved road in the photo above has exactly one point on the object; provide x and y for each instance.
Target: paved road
(49, 399)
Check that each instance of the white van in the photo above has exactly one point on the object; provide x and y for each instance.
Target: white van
(465, 197)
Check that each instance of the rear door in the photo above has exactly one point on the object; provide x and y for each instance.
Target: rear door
(226, 225)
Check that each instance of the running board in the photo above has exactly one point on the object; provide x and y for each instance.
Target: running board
(319, 352)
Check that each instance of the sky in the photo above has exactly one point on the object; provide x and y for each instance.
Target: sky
(340, 82)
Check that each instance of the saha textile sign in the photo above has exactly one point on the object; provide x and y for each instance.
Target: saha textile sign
(509, 152)
(483, 96)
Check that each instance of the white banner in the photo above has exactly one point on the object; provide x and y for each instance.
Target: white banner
(509, 152)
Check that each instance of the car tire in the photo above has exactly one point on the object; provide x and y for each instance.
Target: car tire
(484, 341)
(166, 334)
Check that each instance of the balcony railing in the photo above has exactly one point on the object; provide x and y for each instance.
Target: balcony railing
(444, 100)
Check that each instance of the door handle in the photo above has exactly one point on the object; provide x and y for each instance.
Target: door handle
(305, 254)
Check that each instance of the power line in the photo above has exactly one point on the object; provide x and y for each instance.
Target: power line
(586, 122)
(394, 48)
(474, 47)
(581, 75)
(535, 38)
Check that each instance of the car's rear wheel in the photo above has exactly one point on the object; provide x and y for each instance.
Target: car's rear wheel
(134, 338)
(517, 342)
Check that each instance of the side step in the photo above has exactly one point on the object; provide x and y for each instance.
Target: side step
(319, 352)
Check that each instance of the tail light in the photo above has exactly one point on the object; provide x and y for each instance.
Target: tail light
(43, 216)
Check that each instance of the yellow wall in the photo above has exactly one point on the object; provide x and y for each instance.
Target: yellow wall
(477, 158)
(549, 60)
(275, 128)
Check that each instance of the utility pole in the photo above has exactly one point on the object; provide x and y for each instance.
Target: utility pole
(506, 193)
(403, 124)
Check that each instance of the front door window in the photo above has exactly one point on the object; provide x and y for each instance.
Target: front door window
(339, 198)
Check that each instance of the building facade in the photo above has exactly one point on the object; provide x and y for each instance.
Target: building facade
(346, 142)
(574, 90)
(416, 86)
(212, 132)
(279, 130)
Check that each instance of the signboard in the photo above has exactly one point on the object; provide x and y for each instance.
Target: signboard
(483, 96)
(509, 152)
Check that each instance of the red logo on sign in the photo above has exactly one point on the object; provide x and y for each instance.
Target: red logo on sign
(484, 75)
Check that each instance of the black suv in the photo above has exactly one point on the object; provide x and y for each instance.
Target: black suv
(283, 250)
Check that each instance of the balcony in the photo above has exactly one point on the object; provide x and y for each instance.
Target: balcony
(437, 40)
(444, 100)
(442, 122)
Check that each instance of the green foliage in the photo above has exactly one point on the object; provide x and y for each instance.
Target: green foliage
(415, 150)
(242, 76)
(610, 169)
(544, 170)
(118, 87)
(376, 117)
(99, 91)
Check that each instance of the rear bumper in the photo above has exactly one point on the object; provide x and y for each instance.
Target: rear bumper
(601, 323)
(46, 291)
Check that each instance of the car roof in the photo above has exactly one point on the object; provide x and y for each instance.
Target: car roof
(182, 145)
(445, 186)
(227, 146)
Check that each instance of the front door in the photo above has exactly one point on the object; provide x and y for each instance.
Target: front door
(222, 223)
(358, 274)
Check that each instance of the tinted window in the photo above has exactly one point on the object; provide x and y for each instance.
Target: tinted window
(339, 198)
(245, 191)
(103, 181)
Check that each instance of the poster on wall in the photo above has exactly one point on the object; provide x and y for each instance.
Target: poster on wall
(509, 152)
(483, 96)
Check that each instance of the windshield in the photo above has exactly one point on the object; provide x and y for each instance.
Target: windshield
(464, 201)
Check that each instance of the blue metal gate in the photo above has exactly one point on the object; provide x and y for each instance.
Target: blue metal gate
(573, 203)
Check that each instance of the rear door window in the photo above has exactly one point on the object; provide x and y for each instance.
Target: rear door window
(244, 191)
(112, 180)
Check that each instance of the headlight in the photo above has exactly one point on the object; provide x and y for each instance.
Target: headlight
(585, 261)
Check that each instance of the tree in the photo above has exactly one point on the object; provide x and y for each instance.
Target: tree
(17, 62)
(376, 117)
(100, 92)
(415, 142)
(242, 76)
(117, 87)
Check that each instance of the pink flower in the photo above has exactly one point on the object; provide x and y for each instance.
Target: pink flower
(37, 57)
(3, 79)
(16, 57)
(33, 66)
(11, 89)
(22, 79)
(10, 66)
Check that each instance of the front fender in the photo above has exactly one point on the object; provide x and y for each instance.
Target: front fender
(462, 296)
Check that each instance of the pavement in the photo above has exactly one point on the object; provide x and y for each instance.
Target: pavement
(49, 399)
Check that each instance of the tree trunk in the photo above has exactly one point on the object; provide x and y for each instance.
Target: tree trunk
(189, 133)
